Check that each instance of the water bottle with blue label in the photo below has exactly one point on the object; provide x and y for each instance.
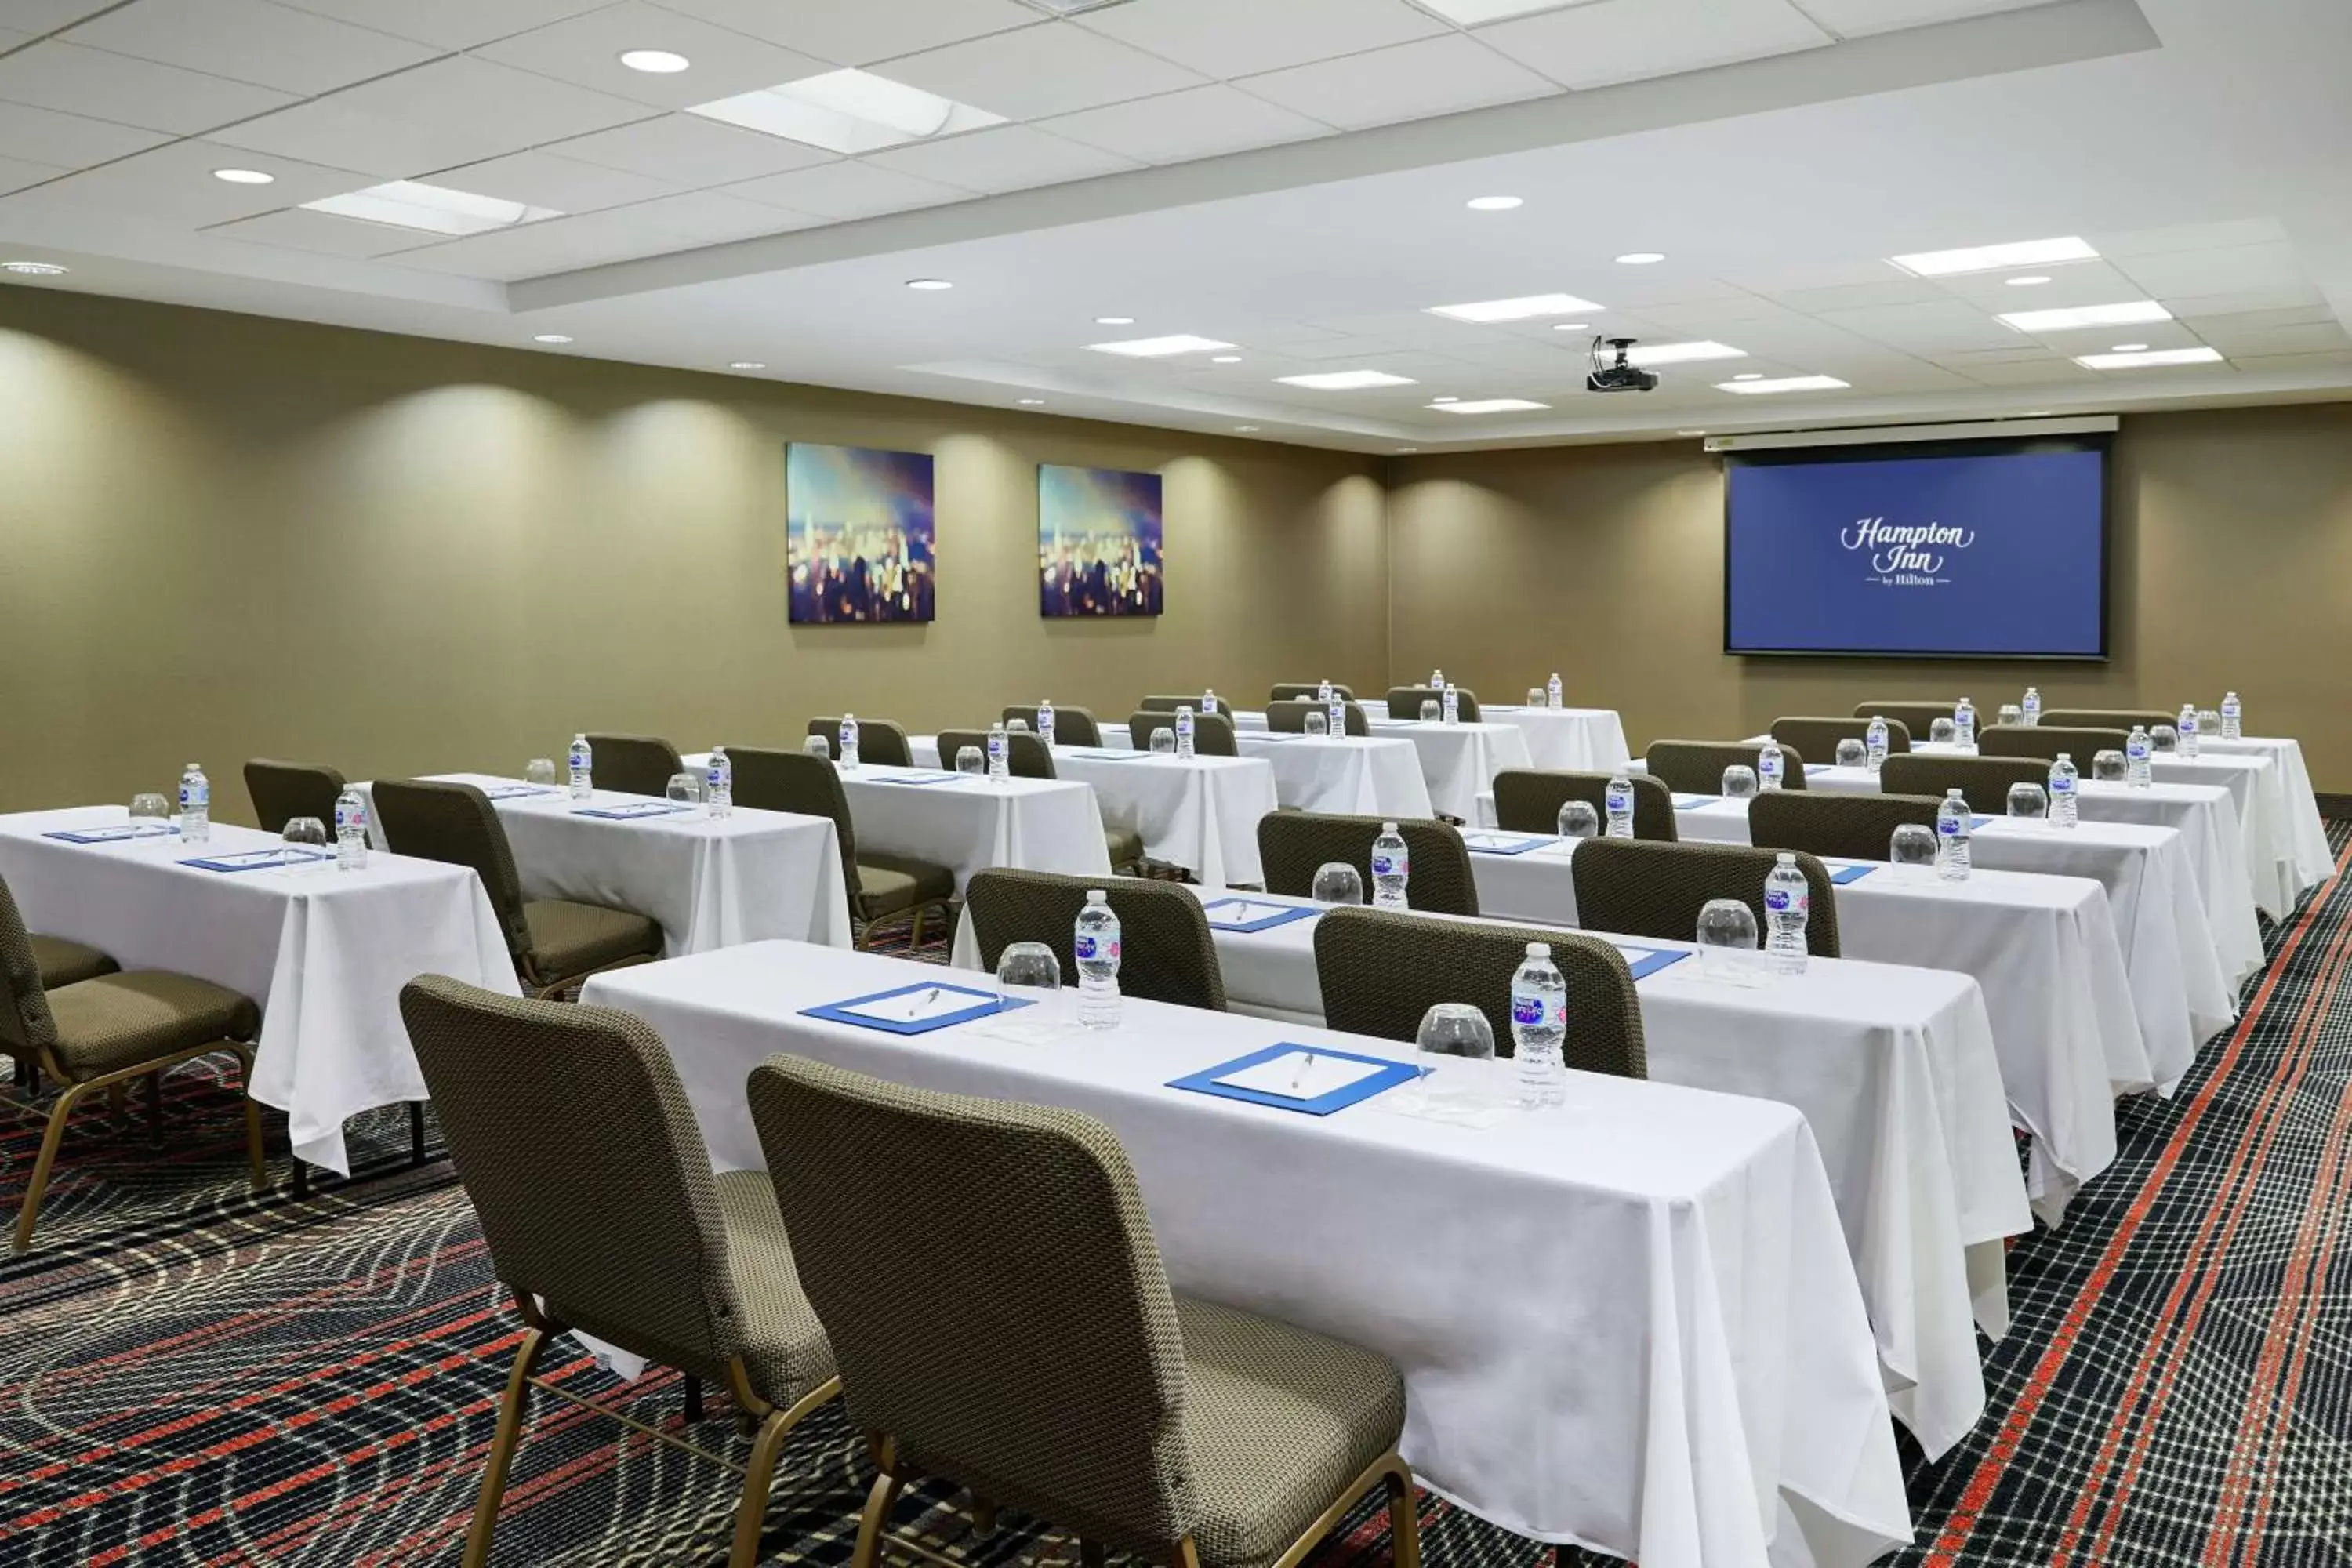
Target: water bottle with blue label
(1538, 1025)
(2064, 777)
(1184, 726)
(1336, 714)
(1787, 901)
(1096, 947)
(582, 763)
(1209, 701)
(1450, 707)
(1552, 689)
(2032, 706)
(2232, 718)
(1000, 752)
(847, 753)
(1045, 721)
(351, 831)
(2138, 770)
(1771, 765)
(1873, 743)
(1391, 867)
(1437, 680)
(1964, 723)
(718, 782)
(1617, 806)
(2187, 726)
(1323, 693)
(1955, 825)
(196, 805)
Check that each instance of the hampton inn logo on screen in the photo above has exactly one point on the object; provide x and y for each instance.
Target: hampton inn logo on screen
(1908, 555)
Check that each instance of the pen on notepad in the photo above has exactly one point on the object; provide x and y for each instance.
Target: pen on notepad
(918, 1010)
(1305, 1065)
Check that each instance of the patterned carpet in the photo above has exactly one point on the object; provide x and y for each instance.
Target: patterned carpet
(194, 1377)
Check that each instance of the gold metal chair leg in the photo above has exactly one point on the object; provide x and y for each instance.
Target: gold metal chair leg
(877, 1519)
(759, 1471)
(253, 1145)
(1405, 1519)
(118, 1100)
(155, 1106)
(915, 939)
(35, 1189)
(502, 1448)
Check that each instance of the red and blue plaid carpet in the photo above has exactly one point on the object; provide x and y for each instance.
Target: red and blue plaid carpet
(192, 1377)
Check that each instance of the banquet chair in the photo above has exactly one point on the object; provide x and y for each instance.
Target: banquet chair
(1380, 971)
(1308, 691)
(61, 963)
(1028, 757)
(2104, 718)
(104, 1031)
(1165, 951)
(1629, 888)
(1528, 800)
(1293, 845)
(1843, 826)
(280, 792)
(883, 887)
(581, 1154)
(1212, 733)
(1289, 717)
(2046, 741)
(1404, 701)
(1984, 782)
(1072, 726)
(1915, 715)
(1818, 737)
(1161, 702)
(634, 765)
(988, 1276)
(556, 943)
(1696, 767)
(880, 741)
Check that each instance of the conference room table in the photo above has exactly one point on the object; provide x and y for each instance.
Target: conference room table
(2298, 805)
(324, 951)
(1377, 776)
(1458, 761)
(1630, 1323)
(2064, 1023)
(707, 882)
(1199, 812)
(1893, 1069)
(1578, 740)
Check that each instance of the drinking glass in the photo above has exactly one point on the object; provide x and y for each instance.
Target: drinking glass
(2011, 713)
(1851, 753)
(1739, 782)
(539, 771)
(1726, 930)
(305, 833)
(1536, 696)
(149, 805)
(2107, 767)
(818, 746)
(2209, 724)
(1318, 724)
(1456, 1029)
(1578, 819)
(1163, 742)
(1028, 972)
(2164, 738)
(1942, 731)
(686, 789)
(1429, 709)
(1337, 882)
(969, 760)
(1914, 844)
(2028, 800)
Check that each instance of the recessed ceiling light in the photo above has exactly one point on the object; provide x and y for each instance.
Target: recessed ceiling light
(1224, 359)
(1032, 402)
(1784, 384)
(1245, 429)
(2131, 348)
(2155, 357)
(1114, 320)
(656, 62)
(1994, 258)
(1681, 353)
(847, 112)
(2030, 280)
(551, 338)
(2129, 313)
(438, 209)
(1438, 400)
(929, 283)
(244, 176)
(1494, 204)
(1641, 257)
(33, 269)
(1749, 375)
(1489, 405)
(1345, 380)
(1572, 326)
(1690, 432)
(1159, 348)
(1521, 309)
(748, 365)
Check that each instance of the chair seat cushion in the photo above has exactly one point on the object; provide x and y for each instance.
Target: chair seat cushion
(569, 939)
(1126, 846)
(1278, 1420)
(784, 1348)
(890, 883)
(147, 1015)
(63, 962)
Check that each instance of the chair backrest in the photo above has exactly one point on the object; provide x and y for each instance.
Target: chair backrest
(280, 792)
(996, 1303)
(1846, 827)
(1161, 702)
(27, 1026)
(1166, 953)
(2046, 741)
(1634, 887)
(2105, 718)
(1072, 726)
(635, 764)
(1528, 800)
(455, 822)
(1026, 755)
(1984, 782)
(1916, 714)
(768, 780)
(1307, 690)
(1696, 767)
(1404, 701)
(880, 741)
(1381, 970)
(1290, 717)
(1212, 733)
(581, 1153)
(1292, 846)
(1818, 737)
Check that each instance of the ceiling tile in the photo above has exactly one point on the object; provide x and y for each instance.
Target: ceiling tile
(1628, 40)
(2286, 297)
(2187, 237)
(349, 138)
(250, 40)
(296, 229)
(2238, 343)
(1858, 18)
(174, 184)
(38, 16)
(1243, 37)
(2071, 283)
(618, 234)
(1197, 123)
(1007, 158)
(10, 38)
(2258, 320)
(135, 92)
(1406, 81)
(15, 175)
(548, 179)
(1925, 329)
(864, 31)
(586, 51)
(2328, 364)
(1053, 68)
(686, 149)
(449, 24)
(847, 189)
(2186, 273)
(68, 141)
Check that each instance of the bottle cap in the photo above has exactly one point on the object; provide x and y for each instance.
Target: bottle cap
(2065, 756)
(1097, 895)
(1539, 950)
(1787, 858)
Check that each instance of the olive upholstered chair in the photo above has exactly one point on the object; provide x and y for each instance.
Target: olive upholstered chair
(1289, 717)
(1308, 691)
(1696, 767)
(2046, 741)
(1404, 701)
(1528, 800)
(1293, 845)
(1818, 738)
(1072, 726)
(634, 765)
(1984, 782)
(1028, 757)
(2104, 718)
(880, 741)
(1915, 715)
(1843, 826)
(280, 792)
(883, 887)
(1164, 702)
(1634, 887)
(1166, 951)
(1212, 733)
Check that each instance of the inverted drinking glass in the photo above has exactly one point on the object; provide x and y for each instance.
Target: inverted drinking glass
(1942, 731)
(2011, 713)
(1850, 752)
(148, 806)
(1739, 782)
(305, 832)
(1456, 1029)
(2163, 738)
(1163, 742)
(1337, 882)
(686, 789)
(1318, 724)
(539, 771)
(1429, 709)
(2108, 766)
(1726, 932)
(818, 746)
(1028, 972)
(1914, 844)
(2028, 800)
(1578, 819)
(969, 760)
(1536, 696)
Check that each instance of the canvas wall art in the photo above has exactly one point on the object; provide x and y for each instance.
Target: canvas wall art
(860, 542)
(1098, 542)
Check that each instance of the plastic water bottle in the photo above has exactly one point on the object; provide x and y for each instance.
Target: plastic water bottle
(1552, 689)
(1184, 722)
(2032, 706)
(2064, 777)
(847, 751)
(351, 831)
(1771, 765)
(1538, 1025)
(1955, 824)
(1874, 741)
(1045, 721)
(1787, 900)
(999, 753)
(718, 782)
(1392, 866)
(1209, 701)
(196, 805)
(2137, 746)
(582, 762)
(1337, 711)
(1323, 693)
(1450, 709)
(1617, 806)
(2187, 726)
(1437, 679)
(2232, 717)
(1964, 723)
(1096, 947)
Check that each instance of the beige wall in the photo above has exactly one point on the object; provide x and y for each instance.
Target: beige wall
(227, 536)
(2232, 542)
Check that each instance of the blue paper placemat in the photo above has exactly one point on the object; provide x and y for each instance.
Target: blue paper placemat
(1487, 841)
(1269, 916)
(516, 791)
(634, 812)
(1392, 1073)
(1104, 753)
(1842, 875)
(1811, 768)
(921, 997)
(276, 858)
(916, 778)
(1278, 735)
(1645, 961)
(122, 832)
(1688, 802)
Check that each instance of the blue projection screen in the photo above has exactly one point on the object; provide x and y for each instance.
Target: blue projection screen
(1958, 553)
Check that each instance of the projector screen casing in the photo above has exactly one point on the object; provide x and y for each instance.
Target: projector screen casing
(2093, 449)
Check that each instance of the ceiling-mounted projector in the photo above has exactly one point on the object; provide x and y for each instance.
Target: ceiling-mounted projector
(1620, 374)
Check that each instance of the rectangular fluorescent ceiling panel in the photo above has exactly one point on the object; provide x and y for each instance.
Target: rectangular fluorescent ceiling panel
(438, 209)
(2148, 357)
(1522, 310)
(1345, 380)
(1994, 258)
(1783, 383)
(1471, 13)
(1491, 405)
(1681, 353)
(1156, 348)
(2131, 313)
(847, 112)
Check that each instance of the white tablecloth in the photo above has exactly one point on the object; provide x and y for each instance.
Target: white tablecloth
(1460, 759)
(1631, 1324)
(2044, 948)
(1200, 813)
(1380, 776)
(324, 953)
(1571, 739)
(1896, 1072)
(969, 823)
(2298, 807)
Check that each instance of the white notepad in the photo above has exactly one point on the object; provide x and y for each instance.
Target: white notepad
(1302, 1074)
(1242, 914)
(913, 1007)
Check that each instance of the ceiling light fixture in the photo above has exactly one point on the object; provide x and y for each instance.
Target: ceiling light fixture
(1114, 320)
(33, 269)
(748, 365)
(1344, 379)
(1784, 384)
(1994, 258)
(1224, 359)
(1524, 309)
(929, 284)
(1494, 204)
(1641, 257)
(1490, 405)
(1246, 429)
(1681, 353)
(1749, 375)
(655, 62)
(1408, 451)
(2131, 348)
(2032, 280)
(1438, 400)
(847, 112)
(1690, 432)
(2150, 359)
(1032, 401)
(436, 209)
(244, 176)
(2129, 313)
(1572, 326)
(551, 338)
(1159, 348)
